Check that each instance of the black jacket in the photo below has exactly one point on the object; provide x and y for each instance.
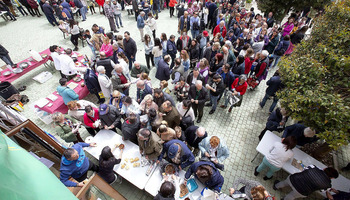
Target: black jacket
(297, 130)
(3, 51)
(274, 120)
(129, 131)
(275, 83)
(106, 62)
(106, 169)
(220, 87)
(112, 117)
(190, 78)
(190, 135)
(202, 96)
(91, 81)
(310, 180)
(130, 47)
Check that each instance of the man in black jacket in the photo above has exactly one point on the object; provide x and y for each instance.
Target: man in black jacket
(194, 135)
(92, 84)
(306, 182)
(194, 76)
(216, 87)
(198, 96)
(110, 117)
(274, 84)
(130, 48)
(107, 63)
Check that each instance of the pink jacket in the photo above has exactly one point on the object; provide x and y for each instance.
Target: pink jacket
(108, 49)
(287, 28)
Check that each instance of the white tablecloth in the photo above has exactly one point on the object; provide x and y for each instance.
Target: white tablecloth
(341, 183)
(136, 176)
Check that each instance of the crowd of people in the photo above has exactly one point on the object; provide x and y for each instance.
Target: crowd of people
(244, 47)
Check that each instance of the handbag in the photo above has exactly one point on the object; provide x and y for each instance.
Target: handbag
(232, 99)
(186, 121)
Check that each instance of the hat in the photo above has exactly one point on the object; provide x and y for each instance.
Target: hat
(103, 109)
(172, 151)
(205, 33)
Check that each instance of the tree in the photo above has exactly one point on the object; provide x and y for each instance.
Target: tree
(281, 8)
(317, 77)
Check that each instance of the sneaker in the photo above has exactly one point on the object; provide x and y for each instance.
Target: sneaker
(256, 173)
(230, 109)
(274, 184)
(211, 112)
(266, 178)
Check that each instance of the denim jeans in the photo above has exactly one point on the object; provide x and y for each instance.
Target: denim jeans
(118, 16)
(271, 168)
(156, 61)
(214, 101)
(274, 103)
(7, 60)
(276, 60)
(194, 33)
(83, 11)
(131, 61)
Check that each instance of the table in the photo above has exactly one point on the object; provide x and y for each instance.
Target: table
(58, 105)
(136, 176)
(33, 65)
(341, 183)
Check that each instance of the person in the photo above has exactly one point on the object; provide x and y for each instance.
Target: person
(166, 133)
(274, 85)
(147, 103)
(26, 4)
(273, 41)
(178, 71)
(276, 121)
(34, 5)
(130, 48)
(152, 23)
(227, 76)
(66, 93)
(194, 135)
(75, 164)
(91, 120)
(211, 16)
(262, 64)
(203, 40)
(107, 161)
(142, 90)
(130, 106)
(138, 69)
(166, 191)
(229, 56)
(337, 195)
(194, 76)
(238, 89)
(148, 50)
(163, 85)
(181, 89)
(119, 80)
(157, 51)
(164, 42)
(107, 48)
(198, 96)
(67, 127)
(215, 64)
(141, 24)
(130, 127)
(302, 133)
(150, 144)
(110, 117)
(184, 23)
(117, 8)
(105, 82)
(82, 8)
(195, 25)
(183, 42)
(280, 50)
(124, 62)
(163, 70)
(239, 67)
(186, 112)
(216, 88)
(178, 153)
(170, 114)
(76, 109)
(270, 20)
(207, 174)
(210, 52)
(107, 63)
(116, 99)
(308, 181)
(279, 153)
(251, 190)
(259, 44)
(171, 50)
(48, 11)
(92, 84)
(288, 26)
(160, 97)
(193, 53)
(75, 33)
(171, 5)
(203, 66)
(220, 28)
(215, 150)
(54, 49)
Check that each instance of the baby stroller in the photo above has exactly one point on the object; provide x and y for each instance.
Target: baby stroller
(252, 81)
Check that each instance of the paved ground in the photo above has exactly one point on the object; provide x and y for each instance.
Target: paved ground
(239, 128)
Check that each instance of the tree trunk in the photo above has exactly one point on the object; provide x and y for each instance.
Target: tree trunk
(321, 151)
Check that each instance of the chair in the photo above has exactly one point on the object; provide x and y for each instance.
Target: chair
(64, 33)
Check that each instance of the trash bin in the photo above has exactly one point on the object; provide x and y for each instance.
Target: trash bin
(7, 90)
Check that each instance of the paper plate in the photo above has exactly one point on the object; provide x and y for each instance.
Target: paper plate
(89, 139)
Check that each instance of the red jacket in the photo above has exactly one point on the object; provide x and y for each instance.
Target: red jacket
(217, 30)
(248, 65)
(239, 88)
(87, 119)
(172, 3)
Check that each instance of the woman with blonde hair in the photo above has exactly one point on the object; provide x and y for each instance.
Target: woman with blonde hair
(147, 103)
(116, 99)
(215, 150)
(164, 86)
(251, 189)
(107, 47)
(203, 66)
(67, 127)
(144, 76)
(166, 133)
(185, 59)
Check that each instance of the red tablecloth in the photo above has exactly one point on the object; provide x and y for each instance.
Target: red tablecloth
(33, 65)
(58, 104)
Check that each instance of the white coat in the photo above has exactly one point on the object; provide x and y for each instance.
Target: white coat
(106, 85)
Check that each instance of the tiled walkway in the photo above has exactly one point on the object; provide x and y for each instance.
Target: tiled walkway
(239, 128)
